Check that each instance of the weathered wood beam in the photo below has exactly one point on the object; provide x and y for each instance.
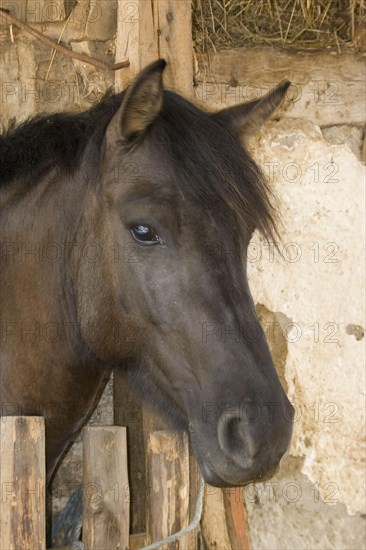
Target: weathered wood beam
(323, 82)
(158, 28)
(168, 481)
(106, 515)
(23, 483)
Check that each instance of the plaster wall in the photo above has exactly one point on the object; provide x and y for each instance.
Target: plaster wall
(311, 304)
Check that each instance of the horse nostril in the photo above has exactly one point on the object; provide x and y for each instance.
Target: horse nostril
(236, 441)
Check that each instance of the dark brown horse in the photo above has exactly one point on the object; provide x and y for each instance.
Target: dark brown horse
(124, 233)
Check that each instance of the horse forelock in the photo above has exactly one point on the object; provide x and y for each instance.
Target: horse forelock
(212, 166)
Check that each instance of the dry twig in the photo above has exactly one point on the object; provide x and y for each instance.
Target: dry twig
(59, 47)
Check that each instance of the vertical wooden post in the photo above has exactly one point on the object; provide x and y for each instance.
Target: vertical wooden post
(214, 528)
(174, 30)
(23, 483)
(236, 518)
(105, 488)
(147, 30)
(127, 41)
(224, 523)
(194, 486)
(168, 479)
(128, 412)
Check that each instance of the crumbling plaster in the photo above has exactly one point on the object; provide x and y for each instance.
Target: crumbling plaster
(319, 285)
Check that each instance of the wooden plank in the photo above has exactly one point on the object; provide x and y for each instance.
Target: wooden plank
(194, 485)
(128, 412)
(214, 527)
(174, 22)
(127, 41)
(23, 483)
(149, 30)
(105, 488)
(137, 541)
(224, 523)
(149, 33)
(140, 421)
(324, 82)
(168, 479)
(236, 518)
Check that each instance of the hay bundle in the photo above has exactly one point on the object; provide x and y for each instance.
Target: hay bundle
(287, 23)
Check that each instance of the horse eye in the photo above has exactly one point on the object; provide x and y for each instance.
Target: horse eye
(144, 233)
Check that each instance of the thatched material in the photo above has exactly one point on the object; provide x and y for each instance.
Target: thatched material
(287, 23)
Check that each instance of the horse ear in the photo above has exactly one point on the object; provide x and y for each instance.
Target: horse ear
(142, 101)
(247, 118)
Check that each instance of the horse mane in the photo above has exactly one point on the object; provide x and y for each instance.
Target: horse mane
(44, 141)
(211, 160)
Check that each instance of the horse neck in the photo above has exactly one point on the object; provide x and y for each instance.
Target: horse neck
(39, 224)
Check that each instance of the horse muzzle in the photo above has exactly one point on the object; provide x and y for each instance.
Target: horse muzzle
(242, 451)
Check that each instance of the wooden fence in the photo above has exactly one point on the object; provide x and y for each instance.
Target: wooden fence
(106, 502)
